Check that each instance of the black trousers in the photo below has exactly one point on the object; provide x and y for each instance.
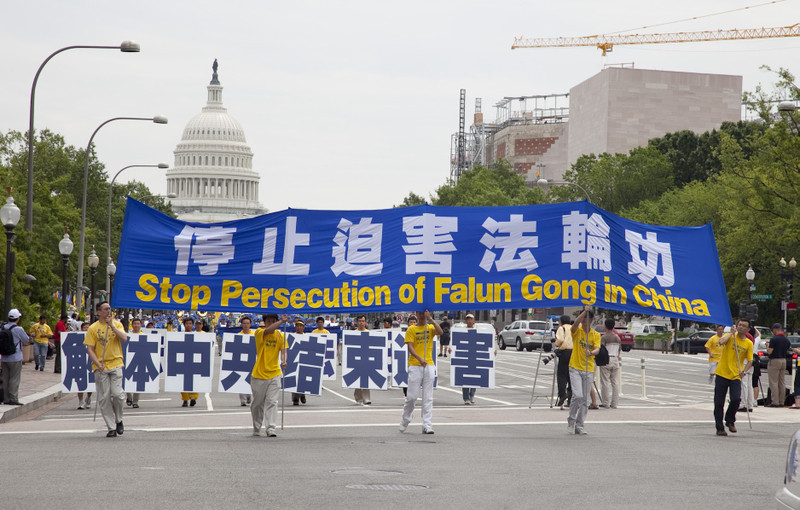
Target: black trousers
(562, 375)
(721, 388)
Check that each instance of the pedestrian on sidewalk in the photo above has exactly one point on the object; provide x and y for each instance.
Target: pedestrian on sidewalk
(42, 336)
(11, 364)
(104, 344)
(777, 349)
(609, 390)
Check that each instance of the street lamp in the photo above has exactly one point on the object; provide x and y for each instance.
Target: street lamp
(111, 270)
(65, 248)
(125, 47)
(787, 276)
(158, 119)
(750, 275)
(110, 189)
(93, 262)
(789, 108)
(9, 215)
(544, 184)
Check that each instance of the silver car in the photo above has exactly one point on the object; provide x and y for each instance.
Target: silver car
(526, 335)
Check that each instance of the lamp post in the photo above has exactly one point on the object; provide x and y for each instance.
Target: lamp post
(750, 275)
(9, 215)
(158, 119)
(125, 47)
(789, 108)
(787, 277)
(93, 262)
(111, 270)
(544, 184)
(65, 248)
(110, 190)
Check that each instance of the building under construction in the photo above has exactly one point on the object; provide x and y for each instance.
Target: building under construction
(613, 111)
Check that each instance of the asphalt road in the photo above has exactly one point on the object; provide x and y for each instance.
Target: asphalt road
(659, 451)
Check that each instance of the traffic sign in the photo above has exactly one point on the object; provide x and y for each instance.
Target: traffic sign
(762, 297)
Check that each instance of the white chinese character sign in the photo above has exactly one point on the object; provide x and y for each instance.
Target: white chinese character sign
(189, 361)
(405, 258)
(142, 353)
(365, 360)
(238, 359)
(305, 361)
(472, 360)
(76, 369)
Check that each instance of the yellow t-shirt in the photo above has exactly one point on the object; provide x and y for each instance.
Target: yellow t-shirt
(106, 344)
(320, 330)
(40, 333)
(714, 349)
(729, 366)
(268, 350)
(578, 358)
(422, 339)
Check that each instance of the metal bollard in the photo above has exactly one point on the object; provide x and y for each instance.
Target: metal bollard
(644, 387)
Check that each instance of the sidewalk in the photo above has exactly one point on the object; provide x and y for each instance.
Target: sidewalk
(35, 390)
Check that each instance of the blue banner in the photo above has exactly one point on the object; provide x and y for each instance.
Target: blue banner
(412, 258)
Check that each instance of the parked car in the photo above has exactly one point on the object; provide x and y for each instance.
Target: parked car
(626, 337)
(694, 343)
(526, 335)
(789, 495)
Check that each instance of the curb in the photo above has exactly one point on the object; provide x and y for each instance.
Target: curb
(30, 403)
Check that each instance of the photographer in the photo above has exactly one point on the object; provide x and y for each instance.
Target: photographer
(564, 352)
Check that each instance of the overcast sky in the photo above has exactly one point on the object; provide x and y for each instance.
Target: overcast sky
(345, 104)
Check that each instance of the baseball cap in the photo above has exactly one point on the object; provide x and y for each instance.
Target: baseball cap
(777, 326)
(14, 314)
(470, 316)
(299, 320)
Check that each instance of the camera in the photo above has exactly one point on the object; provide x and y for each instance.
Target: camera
(548, 358)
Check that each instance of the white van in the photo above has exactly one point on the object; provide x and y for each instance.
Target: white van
(646, 328)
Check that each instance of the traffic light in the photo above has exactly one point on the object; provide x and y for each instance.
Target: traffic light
(788, 291)
(752, 312)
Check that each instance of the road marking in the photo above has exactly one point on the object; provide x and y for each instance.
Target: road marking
(482, 398)
(338, 394)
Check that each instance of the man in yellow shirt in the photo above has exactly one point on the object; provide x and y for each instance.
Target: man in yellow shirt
(103, 343)
(320, 326)
(265, 381)
(581, 368)
(42, 337)
(737, 350)
(189, 398)
(421, 370)
(714, 350)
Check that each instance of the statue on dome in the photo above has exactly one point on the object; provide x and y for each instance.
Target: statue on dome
(214, 77)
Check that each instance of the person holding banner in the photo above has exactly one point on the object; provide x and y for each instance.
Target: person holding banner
(736, 348)
(421, 370)
(106, 336)
(136, 329)
(299, 329)
(246, 322)
(585, 346)
(564, 353)
(361, 396)
(189, 398)
(265, 380)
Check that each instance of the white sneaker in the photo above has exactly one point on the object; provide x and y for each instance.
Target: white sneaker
(403, 427)
(579, 431)
(256, 432)
(271, 433)
(427, 431)
(81, 406)
(570, 429)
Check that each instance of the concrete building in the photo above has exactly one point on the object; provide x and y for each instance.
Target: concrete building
(613, 111)
(213, 174)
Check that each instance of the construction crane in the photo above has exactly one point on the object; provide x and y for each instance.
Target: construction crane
(606, 42)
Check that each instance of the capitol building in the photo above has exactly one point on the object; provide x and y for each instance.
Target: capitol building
(213, 178)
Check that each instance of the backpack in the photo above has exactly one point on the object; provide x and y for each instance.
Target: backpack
(7, 345)
(602, 359)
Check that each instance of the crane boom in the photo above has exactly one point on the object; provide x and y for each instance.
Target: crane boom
(607, 42)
